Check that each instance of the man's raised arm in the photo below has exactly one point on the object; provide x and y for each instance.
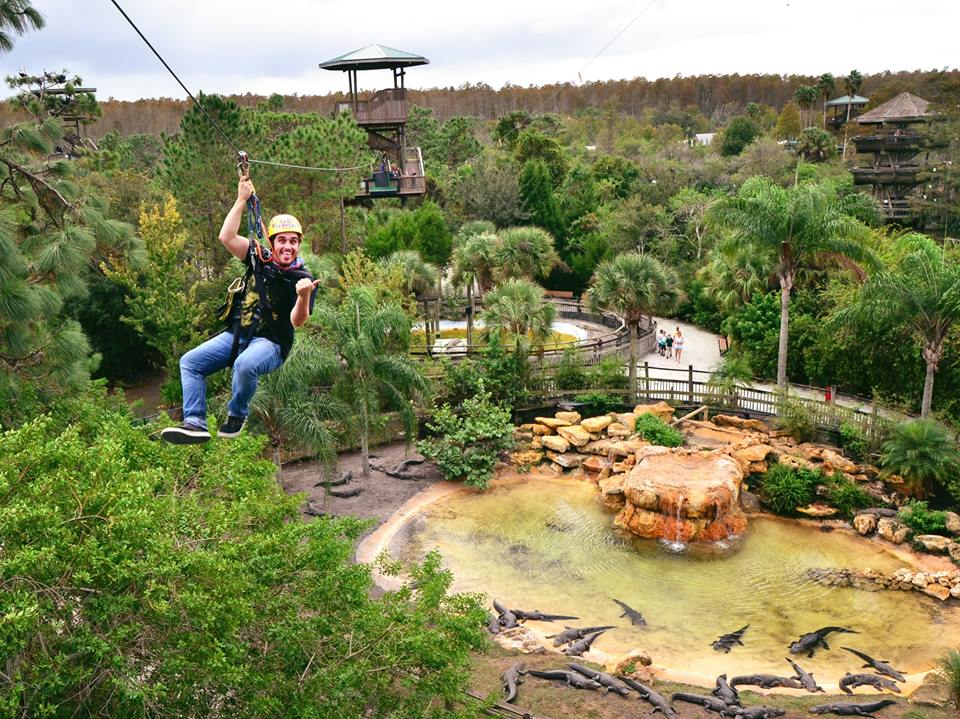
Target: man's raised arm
(230, 236)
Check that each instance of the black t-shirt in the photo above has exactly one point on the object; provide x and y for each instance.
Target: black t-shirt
(274, 323)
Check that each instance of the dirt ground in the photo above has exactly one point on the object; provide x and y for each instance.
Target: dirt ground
(380, 496)
(545, 699)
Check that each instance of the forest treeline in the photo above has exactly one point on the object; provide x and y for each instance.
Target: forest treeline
(715, 97)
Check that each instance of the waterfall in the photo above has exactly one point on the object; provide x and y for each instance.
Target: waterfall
(677, 544)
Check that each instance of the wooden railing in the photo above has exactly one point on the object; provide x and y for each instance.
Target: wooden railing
(386, 107)
(692, 388)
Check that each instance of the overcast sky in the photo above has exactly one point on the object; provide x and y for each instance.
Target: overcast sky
(265, 46)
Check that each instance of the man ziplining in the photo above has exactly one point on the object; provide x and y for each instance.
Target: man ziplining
(275, 296)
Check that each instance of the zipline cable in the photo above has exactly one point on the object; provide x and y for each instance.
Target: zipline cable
(213, 122)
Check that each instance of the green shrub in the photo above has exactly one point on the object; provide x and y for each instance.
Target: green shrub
(187, 575)
(570, 373)
(922, 520)
(656, 431)
(468, 444)
(596, 403)
(795, 418)
(784, 488)
(924, 452)
(854, 442)
(846, 495)
(607, 374)
(949, 669)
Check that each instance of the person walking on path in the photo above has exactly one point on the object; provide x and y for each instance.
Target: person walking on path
(669, 345)
(275, 297)
(662, 343)
(678, 345)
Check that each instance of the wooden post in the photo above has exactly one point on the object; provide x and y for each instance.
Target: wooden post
(690, 381)
(646, 379)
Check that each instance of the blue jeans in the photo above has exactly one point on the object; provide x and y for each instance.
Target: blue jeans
(259, 356)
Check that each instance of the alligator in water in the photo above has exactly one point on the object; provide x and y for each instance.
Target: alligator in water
(809, 642)
(508, 620)
(581, 645)
(867, 680)
(632, 614)
(571, 634)
(723, 690)
(609, 682)
(710, 703)
(511, 678)
(659, 702)
(573, 679)
(880, 667)
(863, 709)
(765, 681)
(726, 641)
(806, 678)
(537, 616)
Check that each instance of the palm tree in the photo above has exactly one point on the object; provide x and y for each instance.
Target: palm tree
(473, 249)
(419, 276)
(633, 285)
(732, 374)
(806, 96)
(734, 273)
(526, 252)
(370, 343)
(16, 18)
(815, 145)
(800, 226)
(518, 310)
(852, 84)
(920, 292)
(826, 85)
(293, 406)
(923, 452)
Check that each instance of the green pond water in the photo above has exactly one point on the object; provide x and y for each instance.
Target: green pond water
(549, 545)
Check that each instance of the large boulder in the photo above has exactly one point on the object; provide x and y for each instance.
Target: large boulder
(617, 430)
(937, 591)
(596, 424)
(553, 422)
(746, 456)
(726, 420)
(627, 419)
(526, 458)
(683, 496)
(660, 409)
(865, 523)
(933, 692)
(567, 460)
(555, 443)
(953, 522)
(892, 530)
(520, 639)
(568, 417)
(833, 461)
(575, 435)
(933, 542)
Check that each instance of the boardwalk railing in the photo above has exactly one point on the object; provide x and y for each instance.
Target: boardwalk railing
(690, 387)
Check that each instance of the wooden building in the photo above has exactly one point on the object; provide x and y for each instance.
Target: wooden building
(399, 169)
(843, 109)
(895, 151)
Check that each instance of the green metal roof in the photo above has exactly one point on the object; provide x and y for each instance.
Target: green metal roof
(374, 57)
(847, 100)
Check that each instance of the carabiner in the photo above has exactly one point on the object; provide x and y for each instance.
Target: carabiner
(243, 165)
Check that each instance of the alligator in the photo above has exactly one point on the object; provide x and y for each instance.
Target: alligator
(343, 493)
(809, 642)
(511, 678)
(659, 702)
(726, 641)
(872, 680)
(537, 616)
(508, 619)
(573, 679)
(581, 645)
(863, 709)
(710, 703)
(343, 478)
(760, 712)
(609, 682)
(636, 618)
(880, 667)
(729, 695)
(766, 681)
(571, 634)
(806, 678)
(493, 624)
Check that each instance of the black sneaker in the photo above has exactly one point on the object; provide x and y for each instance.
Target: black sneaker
(230, 428)
(186, 433)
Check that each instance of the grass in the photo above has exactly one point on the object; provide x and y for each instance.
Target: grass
(949, 669)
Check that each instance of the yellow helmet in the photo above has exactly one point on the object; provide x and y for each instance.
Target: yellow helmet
(283, 223)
